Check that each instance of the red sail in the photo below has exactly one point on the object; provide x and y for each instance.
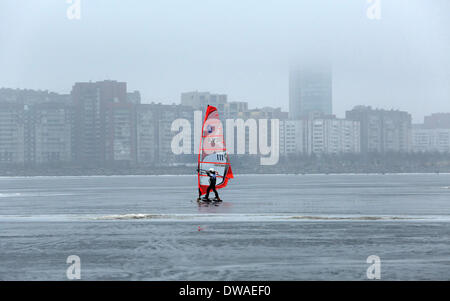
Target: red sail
(213, 152)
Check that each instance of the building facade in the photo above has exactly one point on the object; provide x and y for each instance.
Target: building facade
(35, 127)
(120, 133)
(50, 132)
(12, 133)
(154, 132)
(430, 140)
(103, 129)
(437, 121)
(382, 130)
(200, 100)
(310, 90)
(333, 136)
(319, 136)
(293, 137)
(433, 135)
(233, 109)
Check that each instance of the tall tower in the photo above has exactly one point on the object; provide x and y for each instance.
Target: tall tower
(103, 122)
(310, 90)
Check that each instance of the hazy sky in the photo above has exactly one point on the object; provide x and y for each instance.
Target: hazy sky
(239, 47)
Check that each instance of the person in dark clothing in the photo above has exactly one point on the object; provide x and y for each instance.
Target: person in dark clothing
(212, 183)
(212, 174)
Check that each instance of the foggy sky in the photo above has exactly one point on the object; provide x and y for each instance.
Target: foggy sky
(239, 47)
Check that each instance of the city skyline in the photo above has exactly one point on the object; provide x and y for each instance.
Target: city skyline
(103, 124)
(133, 94)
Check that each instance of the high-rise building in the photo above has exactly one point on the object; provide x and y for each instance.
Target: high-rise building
(433, 135)
(147, 133)
(293, 137)
(134, 97)
(233, 109)
(319, 136)
(35, 127)
(30, 97)
(382, 130)
(437, 121)
(103, 122)
(430, 140)
(12, 133)
(265, 113)
(200, 100)
(333, 136)
(154, 131)
(50, 132)
(120, 132)
(310, 90)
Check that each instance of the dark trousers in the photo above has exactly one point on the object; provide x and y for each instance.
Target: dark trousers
(213, 188)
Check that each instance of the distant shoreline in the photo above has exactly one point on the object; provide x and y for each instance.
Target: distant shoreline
(358, 164)
(2, 176)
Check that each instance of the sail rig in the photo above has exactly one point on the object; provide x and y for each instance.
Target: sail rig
(213, 152)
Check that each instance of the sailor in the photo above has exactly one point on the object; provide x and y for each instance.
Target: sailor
(212, 174)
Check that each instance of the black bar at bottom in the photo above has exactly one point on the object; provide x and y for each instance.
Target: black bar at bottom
(226, 290)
